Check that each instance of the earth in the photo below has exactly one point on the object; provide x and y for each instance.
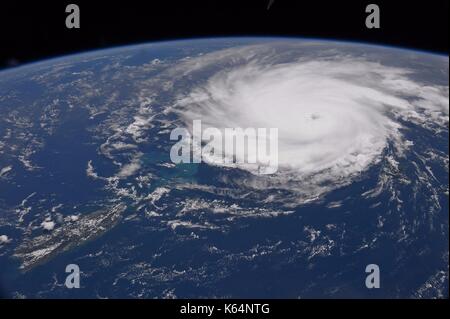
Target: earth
(86, 176)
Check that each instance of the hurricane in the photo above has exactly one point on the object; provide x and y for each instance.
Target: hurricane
(335, 116)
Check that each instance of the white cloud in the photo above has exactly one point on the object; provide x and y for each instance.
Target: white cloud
(48, 225)
(90, 171)
(4, 239)
(334, 116)
(130, 168)
(5, 170)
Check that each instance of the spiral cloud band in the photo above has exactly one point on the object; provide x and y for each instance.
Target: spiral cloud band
(335, 117)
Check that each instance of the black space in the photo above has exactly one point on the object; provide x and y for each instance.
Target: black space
(33, 30)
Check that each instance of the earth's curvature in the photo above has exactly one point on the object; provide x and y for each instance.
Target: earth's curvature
(86, 177)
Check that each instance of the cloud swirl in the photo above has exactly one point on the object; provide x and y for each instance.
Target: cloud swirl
(335, 116)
